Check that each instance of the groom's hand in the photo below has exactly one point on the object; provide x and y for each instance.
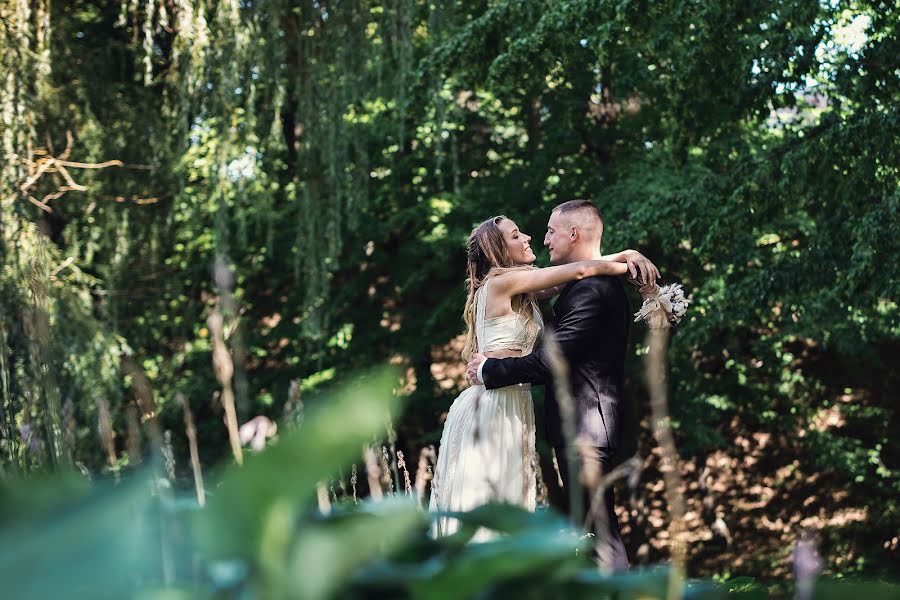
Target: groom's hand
(637, 262)
(472, 369)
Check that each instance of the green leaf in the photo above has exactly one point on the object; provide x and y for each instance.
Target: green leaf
(530, 553)
(99, 544)
(870, 590)
(648, 583)
(510, 518)
(327, 554)
(262, 500)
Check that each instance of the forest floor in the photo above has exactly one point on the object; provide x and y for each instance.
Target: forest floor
(746, 507)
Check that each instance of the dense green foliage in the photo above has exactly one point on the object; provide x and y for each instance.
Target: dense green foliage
(335, 157)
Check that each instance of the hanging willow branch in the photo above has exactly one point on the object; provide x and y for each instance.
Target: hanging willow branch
(263, 83)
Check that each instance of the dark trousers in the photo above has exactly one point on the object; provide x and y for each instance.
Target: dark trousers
(594, 462)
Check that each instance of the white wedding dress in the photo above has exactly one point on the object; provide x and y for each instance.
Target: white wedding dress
(487, 450)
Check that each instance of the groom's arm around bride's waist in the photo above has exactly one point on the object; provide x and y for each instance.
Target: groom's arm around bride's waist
(580, 321)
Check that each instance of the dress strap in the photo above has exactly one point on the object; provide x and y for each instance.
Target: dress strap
(480, 308)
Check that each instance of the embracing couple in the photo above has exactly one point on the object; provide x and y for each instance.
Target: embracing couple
(487, 450)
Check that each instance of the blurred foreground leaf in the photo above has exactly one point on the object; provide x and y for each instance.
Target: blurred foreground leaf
(646, 583)
(99, 543)
(870, 590)
(540, 546)
(511, 518)
(327, 554)
(254, 512)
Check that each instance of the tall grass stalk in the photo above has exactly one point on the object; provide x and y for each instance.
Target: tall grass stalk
(334, 496)
(655, 367)
(7, 419)
(224, 369)
(106, 434)
(293, 411)
(132, 434)
(168, 455)
(373, 473)
(560, 370)
(163, 488)
(596, 512)
(191, 431)
(427, 457)
(322, 497)
(386, 479)
(401, 464)
(392, 442)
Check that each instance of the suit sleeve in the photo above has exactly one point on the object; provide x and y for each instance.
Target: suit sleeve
(576, 331)
(501, 372)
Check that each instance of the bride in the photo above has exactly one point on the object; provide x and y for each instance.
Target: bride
(487, 450)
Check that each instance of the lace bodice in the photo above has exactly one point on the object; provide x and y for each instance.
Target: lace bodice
(508, 332)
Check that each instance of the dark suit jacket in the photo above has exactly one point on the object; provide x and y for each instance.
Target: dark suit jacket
(591, 319)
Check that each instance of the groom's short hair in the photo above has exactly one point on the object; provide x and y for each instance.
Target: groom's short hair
(585, 215)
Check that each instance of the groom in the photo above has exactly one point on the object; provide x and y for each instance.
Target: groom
(591, 319)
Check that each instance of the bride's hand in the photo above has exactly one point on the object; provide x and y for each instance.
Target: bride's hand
(472, 369)
(638, 263)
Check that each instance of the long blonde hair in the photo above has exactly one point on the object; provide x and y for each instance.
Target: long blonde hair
(487, 257)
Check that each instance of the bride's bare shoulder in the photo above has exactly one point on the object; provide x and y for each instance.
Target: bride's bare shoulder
(506, 275)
